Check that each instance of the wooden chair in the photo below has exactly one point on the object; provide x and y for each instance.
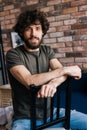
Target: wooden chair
(65, 119)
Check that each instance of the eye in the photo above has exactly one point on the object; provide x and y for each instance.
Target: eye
(38, 28)
(28, 29)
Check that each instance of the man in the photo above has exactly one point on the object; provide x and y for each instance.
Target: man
(29, 64)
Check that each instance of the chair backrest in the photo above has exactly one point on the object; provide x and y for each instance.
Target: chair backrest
(65, 119)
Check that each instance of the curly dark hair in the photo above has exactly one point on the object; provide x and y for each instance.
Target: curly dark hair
(29, 17)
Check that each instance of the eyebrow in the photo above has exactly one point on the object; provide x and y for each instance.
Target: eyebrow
(37, 23)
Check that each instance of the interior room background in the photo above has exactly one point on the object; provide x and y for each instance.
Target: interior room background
(67, 34)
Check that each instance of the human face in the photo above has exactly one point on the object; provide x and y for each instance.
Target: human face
(33, 35)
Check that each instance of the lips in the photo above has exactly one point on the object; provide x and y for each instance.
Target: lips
(34, 39)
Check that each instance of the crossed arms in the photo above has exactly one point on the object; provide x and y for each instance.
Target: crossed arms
(48, 80)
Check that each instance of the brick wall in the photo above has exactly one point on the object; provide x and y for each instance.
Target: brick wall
(68, 27)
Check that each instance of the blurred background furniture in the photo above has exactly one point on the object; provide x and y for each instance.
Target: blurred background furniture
(5, 101)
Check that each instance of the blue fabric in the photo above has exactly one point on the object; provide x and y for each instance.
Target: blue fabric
(78, 121)
(78, 94)
(80, 85)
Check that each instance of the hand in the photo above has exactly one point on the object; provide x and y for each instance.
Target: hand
(73, 71)
(47, 90)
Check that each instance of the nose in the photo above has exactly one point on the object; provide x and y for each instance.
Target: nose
(33, 32)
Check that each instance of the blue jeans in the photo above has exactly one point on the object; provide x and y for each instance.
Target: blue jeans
(78, 121)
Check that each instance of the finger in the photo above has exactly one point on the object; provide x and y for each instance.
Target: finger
(53, 92)
(77, 77)
(38, 95)
(42, 91)
(46, 91)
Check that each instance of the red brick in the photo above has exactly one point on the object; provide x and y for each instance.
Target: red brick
(81, 59)
(82, 8)
(67, 60)
(57, 45)
(9, 26)
(13, 11)
(84, 54)
(51, 19)
(65, 49)
(77, 43)
(7, 21)
(81, 31)
(78, 15)
(47, 9)
(80, 37)
(70, 21)
(73, 54)
(60, 55)
(84, 43)
(62, 17)
(4, 13)
(56, 34)
(53, 2)
(85, 48)
(54, 24)
(78, 2)
(64, 39)
(78, 26)
(62, 28)
(66, 1)
(70, 10)
(78, 49)
(11, 16)
(8, 7)
(32, 2)
(52, 29)
(50, 40)
(68, 44)
(13, 21)
(1, 19)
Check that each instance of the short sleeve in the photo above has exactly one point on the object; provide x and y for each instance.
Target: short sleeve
(51, 53)
(13, 58)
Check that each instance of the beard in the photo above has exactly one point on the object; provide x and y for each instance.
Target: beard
(32, 45)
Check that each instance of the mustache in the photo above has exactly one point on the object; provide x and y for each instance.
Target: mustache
(33, 37)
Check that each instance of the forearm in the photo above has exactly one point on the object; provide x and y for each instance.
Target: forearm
(43, 78)
(49, 89)
(26, 78)
(57, 81)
